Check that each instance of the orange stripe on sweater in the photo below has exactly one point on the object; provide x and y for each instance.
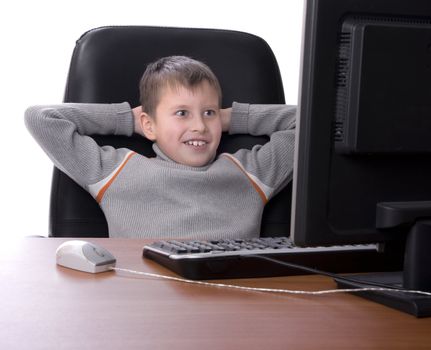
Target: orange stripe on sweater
(104, 188)
(253, 183)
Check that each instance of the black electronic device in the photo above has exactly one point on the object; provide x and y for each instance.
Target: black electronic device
(239, 258)
(363, 156)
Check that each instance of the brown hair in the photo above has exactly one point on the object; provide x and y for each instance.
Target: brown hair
(171, 71)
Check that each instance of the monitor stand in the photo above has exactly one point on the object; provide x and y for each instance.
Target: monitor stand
(416, 274)
(414, 304)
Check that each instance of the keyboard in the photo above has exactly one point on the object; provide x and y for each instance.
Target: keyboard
(236, 258)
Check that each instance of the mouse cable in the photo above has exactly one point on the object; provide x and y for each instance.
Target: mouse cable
(259, 289)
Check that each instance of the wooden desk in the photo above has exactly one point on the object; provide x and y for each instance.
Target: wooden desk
(44, 306)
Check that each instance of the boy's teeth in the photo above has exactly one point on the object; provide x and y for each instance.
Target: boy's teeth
(195, 143)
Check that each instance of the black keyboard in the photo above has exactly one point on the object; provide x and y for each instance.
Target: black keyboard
(236, 258)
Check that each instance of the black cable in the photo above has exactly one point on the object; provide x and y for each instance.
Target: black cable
(359, 284)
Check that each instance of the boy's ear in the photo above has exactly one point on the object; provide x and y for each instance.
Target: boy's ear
(147, 125)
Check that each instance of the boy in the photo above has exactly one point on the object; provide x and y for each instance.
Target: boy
(185, 191)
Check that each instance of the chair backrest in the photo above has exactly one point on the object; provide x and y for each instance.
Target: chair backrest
(106, 67)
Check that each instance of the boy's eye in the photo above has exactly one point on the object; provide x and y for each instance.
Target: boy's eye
(209, 113)
(181, 113)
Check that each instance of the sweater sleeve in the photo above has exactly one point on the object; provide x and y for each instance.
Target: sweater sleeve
(63, 133)
(269, 166)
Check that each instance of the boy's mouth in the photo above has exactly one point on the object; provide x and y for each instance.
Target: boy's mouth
(195, 143)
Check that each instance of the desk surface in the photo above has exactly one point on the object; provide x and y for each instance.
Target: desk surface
(44, 306)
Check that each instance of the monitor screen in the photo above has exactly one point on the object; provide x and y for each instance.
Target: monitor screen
(364, 125)
(363, 149)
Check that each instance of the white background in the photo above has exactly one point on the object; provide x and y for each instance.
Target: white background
(37, 40)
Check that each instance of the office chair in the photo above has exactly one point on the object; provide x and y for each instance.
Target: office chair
(106, 67)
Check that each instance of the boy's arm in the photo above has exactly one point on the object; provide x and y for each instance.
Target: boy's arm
(62, 132)
(261, 119)
(269, 165)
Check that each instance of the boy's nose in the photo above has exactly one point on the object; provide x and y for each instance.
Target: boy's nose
(198, 124)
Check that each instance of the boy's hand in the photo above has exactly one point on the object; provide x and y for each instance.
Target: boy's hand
(225, 116)
(137, 111)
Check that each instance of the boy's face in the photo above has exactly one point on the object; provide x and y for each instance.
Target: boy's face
(187, 125)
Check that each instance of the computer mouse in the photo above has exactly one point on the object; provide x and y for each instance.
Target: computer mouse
(84, 256)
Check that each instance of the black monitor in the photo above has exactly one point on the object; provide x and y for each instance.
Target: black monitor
(363, 156)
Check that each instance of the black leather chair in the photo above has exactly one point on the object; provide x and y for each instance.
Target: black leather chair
(106, 67)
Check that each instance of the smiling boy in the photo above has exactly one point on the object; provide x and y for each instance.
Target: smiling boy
(186, 124)
(186, 191)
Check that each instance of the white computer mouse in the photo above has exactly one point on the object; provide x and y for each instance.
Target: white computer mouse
(84, 256)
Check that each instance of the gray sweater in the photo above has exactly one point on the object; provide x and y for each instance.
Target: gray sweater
(156, 197)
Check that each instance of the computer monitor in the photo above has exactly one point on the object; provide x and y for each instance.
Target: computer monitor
(363, 153)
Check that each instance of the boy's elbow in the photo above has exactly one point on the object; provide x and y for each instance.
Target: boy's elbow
(37, 111)
(32, 116)
(29, 115)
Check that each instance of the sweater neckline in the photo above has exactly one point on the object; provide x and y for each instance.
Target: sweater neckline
(168, 161)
